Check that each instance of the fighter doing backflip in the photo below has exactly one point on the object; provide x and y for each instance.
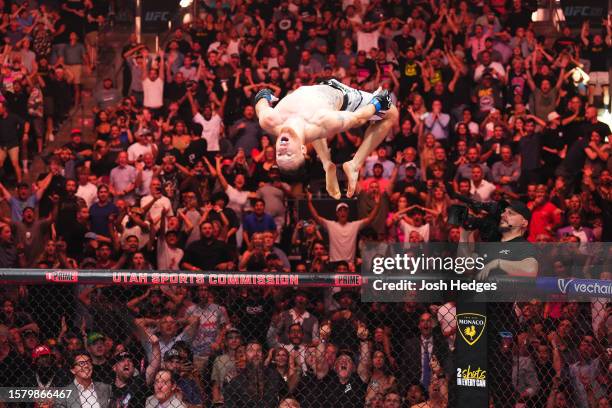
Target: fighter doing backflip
(311, 114)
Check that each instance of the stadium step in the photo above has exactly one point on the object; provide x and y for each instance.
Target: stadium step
(109, 61)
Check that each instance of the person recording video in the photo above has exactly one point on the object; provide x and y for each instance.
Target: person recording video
(510, 260)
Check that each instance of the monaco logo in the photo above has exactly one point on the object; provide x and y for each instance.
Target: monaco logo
(471, 326)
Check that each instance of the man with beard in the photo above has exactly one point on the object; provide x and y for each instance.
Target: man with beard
(225, 364)
(84, 392)
(68, 208)
(518, 260)
(186, 376)
(45, 373)
(33, 233)
(280, 332)
(346, 387)
(256, 386)
(129, 390)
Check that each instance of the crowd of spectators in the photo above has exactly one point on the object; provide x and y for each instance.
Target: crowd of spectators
(180, 176)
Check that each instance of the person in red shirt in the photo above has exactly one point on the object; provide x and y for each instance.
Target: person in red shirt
(545, 215)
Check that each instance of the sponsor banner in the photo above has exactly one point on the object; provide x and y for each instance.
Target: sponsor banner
(41, 276)
(471, 326)
(156, 14)
(576, 288)
(576, 11)
(470, 376)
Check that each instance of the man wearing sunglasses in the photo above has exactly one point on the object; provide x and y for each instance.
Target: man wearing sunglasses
(85, 393)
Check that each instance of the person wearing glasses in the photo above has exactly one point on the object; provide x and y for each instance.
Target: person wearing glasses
(85, 393)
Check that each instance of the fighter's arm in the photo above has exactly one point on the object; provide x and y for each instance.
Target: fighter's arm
(269, 119)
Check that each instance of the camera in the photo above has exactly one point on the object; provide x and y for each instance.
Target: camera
(487, 225)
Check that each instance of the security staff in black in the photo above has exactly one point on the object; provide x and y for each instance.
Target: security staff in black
(514, 256)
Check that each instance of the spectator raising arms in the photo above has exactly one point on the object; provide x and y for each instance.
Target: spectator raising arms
(165, 168)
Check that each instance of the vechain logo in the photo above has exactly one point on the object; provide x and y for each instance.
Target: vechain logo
(585, 287)
(563, 284)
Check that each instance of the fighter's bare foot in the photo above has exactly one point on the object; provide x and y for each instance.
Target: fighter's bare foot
(331, 181)
(352, 176)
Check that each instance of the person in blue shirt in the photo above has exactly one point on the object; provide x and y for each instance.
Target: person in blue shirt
(24, 197)
(257, 221)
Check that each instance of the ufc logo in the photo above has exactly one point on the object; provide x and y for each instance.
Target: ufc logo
(582, 11)
(157, 16)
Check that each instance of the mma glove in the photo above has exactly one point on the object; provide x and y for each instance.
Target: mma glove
(381, 100)
(266, 94)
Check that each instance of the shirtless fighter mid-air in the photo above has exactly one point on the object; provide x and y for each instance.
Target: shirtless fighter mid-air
(311, 114)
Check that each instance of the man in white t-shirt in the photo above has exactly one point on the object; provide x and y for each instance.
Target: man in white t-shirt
(142, 146)
(368, 35)
(212, 124)
(155, 202)
(86, 190)
(480, 189)
(188, 70)
(153, 86)
(342, 233)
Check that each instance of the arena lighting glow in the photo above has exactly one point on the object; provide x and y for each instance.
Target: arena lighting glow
(185, 3)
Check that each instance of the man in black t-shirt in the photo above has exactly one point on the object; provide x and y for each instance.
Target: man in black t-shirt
(196, 149)
(515, 256)
(566, 42)
(257, 385)
(73, 11)
(529, 148)
(345, 387)
(592, 124)
(11, 128)
(597, 50)
(128, 390)
(207, 253)
(102, 369)
(553, 144)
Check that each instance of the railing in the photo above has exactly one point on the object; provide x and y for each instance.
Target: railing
(207, 328)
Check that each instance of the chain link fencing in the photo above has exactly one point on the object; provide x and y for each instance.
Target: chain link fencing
(179, 345)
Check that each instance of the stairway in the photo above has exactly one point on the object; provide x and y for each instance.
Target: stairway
(111, 43)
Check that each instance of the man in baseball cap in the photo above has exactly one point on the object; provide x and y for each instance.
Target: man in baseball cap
(103, 370)
(45, 372)
(341, 206)
(128, 389)
(514, 256)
